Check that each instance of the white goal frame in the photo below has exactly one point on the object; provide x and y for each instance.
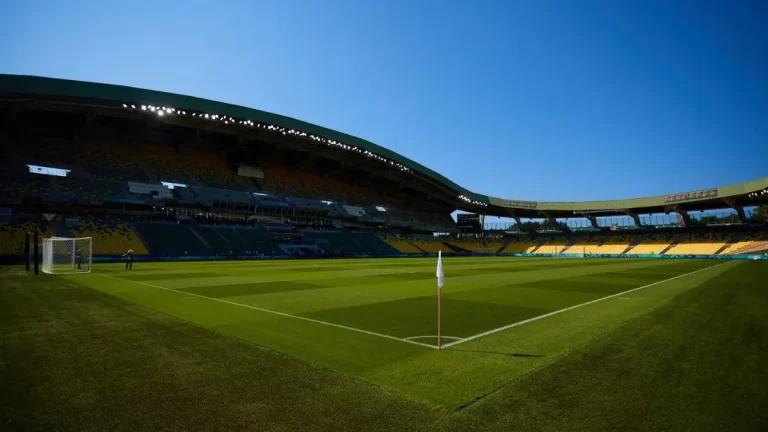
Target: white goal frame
(60, 255)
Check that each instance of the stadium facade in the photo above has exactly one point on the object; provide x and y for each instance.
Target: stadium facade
(165, 174)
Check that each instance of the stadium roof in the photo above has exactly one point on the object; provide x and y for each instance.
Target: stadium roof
(135, 98)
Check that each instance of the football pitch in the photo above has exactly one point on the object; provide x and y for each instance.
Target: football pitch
(534, 341)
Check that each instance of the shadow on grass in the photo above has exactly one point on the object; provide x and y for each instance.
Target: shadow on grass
(496, 353)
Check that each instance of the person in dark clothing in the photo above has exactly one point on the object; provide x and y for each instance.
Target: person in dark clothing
(79, 258)
(129, 261)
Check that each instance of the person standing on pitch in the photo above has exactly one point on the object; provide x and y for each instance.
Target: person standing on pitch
(79, 258)
(129, 262)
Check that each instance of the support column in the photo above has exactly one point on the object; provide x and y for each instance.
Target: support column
(593, 220)
(740, 212)
(686, 218)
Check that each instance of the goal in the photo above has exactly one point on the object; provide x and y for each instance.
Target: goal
(67, 255)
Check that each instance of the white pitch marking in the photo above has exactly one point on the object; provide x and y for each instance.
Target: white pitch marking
(496, 330)
(435, 336)
(275, 312)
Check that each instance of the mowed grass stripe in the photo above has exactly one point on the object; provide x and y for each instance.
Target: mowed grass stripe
(344, 292)
(476, 311)
(277, 313)
(244, 273)
(399, 318)
(441, 379)
(519, 323)
(696, 363)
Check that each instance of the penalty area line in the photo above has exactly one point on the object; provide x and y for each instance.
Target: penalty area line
(547, 315)
(283, 314)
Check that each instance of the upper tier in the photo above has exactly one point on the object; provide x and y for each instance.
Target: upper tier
(233, 116)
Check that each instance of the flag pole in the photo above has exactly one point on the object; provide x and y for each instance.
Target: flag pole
(440, 282)
(439, 319)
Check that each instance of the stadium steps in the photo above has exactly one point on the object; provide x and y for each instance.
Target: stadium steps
(237, 232)
(733, 239)
(372, 242)
(675, 242)
(362, 245)
(538, 245)
(417, 246)
(570, 243)
(200, 237)
(138, 234)
(223, 240)
(636, 240)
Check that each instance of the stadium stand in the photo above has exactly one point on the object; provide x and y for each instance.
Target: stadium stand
(337, 243)
(12, 236)
(600, 244)
(655, 243)
(494, 244)
(259, 241)
(431, 245)
(375, 244)
(19, 185)
(112, 161)
(110, 236)
(82, 189)
(218, 243)
(699, 244)
(466, 244)
(748, 243)
(305, 184)
(551, 244)
(306, 201)
(403, 245)
(520, 245)
(165, 239)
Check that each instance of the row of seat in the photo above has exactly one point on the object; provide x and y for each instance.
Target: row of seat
(13, 236)
(658, 243)
(109, 237)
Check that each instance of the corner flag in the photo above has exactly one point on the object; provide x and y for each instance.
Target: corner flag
(440, 275)
(440, 283)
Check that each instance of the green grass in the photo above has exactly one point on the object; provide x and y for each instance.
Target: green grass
(193, 345)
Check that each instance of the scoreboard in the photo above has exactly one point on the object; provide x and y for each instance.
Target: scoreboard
(469, 223)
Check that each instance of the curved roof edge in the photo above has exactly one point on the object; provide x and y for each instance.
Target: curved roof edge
(637, 203)
(55, 87)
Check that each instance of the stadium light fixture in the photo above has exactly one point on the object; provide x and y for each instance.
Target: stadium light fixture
(133, 106)
(125, 106)
(143, 107)
(160, 113)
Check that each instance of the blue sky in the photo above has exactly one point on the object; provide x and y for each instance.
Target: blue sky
(538, 100)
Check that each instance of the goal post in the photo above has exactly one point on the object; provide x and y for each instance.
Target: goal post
(63, 255)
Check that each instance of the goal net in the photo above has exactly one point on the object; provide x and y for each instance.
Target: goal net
(67, 255)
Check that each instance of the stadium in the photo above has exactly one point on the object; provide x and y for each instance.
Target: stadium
(279, 263)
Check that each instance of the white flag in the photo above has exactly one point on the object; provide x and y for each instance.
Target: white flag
(440, 275)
